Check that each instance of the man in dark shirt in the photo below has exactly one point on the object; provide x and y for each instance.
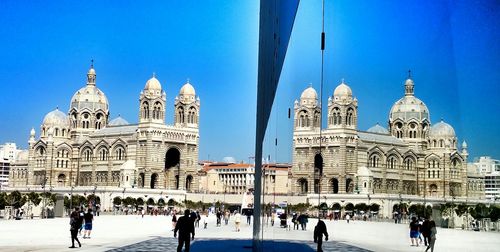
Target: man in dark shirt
(185, 226)
(319, 231)
(426, 231)
(74, 225)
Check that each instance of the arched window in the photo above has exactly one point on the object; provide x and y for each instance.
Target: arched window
(85, 120)
(145, 110)
(157, 113)
(119, 153)
(349, 117)
(408, 163)
(374, 160)
(103, 154)
(87, 155)
(180, 115)
(392, 162)
(192, 115)
(337, 118)
(303, 119)
(316, 119)
(398, 130)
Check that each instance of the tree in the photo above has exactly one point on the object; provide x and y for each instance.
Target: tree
(34, 198)
(161, 202)
(172, 202)
(361, 207)
(2, 200)
(374, 207)
(15, 199)
(139, 202)
(494, 213)
(150, 202)
(117, 201)
(349, 207)
(129, 201)
(336, 206)
(461, 209)
(447, 209)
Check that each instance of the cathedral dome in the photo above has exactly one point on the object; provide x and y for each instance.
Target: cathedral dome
(119, 121)
(342, 91)
(378, 129)
(56, 118)
(409, 107)
(309, 93)
(187, 90)
(153, 84)
(89, 97)
(442, 130)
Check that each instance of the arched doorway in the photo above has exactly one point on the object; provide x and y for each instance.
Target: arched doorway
(141, 180)
(303, 185)
(348, 185)
(433, 190)
(172, 163)
(335, 185)
(154, 180)
(318, 163)
(189, 181)
(61, 180)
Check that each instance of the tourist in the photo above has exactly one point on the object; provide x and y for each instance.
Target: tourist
(273, 216)
(426, 231)
(219, 216)
(198, 218)
(347, 218)
(433, 233)
(237, 220)
(142, 212)
(81, 214)
(319, 231)
(74, 226)
(414, 231)
(89, 217)
(174, 221)
(226, 217)
(205, 221)
(295, 222)
(303, 219)
(185, 226)
(249, 217)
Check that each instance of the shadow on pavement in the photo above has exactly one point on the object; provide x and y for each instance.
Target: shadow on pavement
(234, 245)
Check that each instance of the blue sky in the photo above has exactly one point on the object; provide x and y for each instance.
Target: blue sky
(452, 49)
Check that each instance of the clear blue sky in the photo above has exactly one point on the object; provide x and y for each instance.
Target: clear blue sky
(452, 48)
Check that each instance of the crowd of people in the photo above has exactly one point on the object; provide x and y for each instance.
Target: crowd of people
(423, 231)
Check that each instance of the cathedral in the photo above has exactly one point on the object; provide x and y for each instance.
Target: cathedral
(84, 147)
(412, 156)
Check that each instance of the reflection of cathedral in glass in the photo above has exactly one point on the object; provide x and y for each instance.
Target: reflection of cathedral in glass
(85, 148)
(411, 157)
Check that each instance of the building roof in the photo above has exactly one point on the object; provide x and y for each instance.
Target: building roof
(379, 138)
(116, 130)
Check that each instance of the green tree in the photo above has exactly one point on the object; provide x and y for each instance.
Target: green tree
(494, 213)
(349, 207)
(447, 209)
(461, 209)
(34, 198)
(129, 201)
(480, 211)
(361, 207)
(172, 202)
(15, 199)
(150, 202)
(139, 202)
(374, 207)
(2, 200)
(336, 206)
(161, 202)
(117, 201)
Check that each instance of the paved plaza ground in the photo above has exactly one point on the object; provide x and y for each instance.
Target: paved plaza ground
(153, 233)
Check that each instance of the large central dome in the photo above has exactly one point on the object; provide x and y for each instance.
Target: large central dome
(409, 107)
(89, 97)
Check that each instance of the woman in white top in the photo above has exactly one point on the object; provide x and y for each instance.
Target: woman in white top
(237, 221)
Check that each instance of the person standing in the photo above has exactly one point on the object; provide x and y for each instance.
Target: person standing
(319, 231)
(347, 217)
(432, 237)
(226, 217)
(249, 217)
(294, 221)
(142, 212)
(89, 217)
(237, 221)
(185, 226)
(81, 214)
(414, 231)
(219, 216)
(75, 224)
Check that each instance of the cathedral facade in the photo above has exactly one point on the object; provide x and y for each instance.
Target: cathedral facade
(83, 147)
(410, 157)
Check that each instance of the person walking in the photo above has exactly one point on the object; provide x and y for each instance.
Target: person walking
(347, 217)
(433, 233)
(226, 217)
(185, 226)
(89, 217)
(219, 216)
(319, 231)
(249, 217)
(174, 221)
(426, 231)
(237, 221)
(295, 222)
(75, 224)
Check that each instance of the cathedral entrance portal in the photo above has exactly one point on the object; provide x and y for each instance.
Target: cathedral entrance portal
(172, 164)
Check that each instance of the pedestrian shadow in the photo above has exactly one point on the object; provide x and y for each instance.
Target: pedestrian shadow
(235, 245)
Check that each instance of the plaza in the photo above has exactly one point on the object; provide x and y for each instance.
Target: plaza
(153, 233)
